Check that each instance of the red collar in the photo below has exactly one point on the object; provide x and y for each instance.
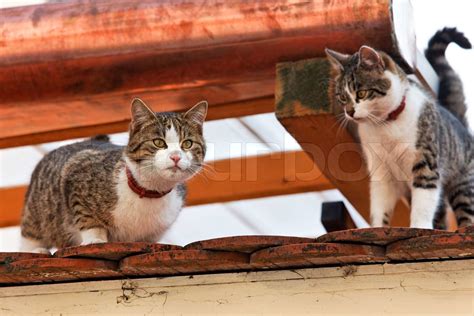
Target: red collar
(395, 113)
(141, 191)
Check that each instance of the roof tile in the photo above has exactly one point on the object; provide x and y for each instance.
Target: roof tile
(314, 254)
(466, 230)
(376, 235)
(7, 257)
(113, 251)
(5, 277)
(116, 260)
(61, 269)
(453, 245)
(246, 244)
(184, 261)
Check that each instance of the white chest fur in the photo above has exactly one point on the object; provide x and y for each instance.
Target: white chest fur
(390, 148)
(142, 219)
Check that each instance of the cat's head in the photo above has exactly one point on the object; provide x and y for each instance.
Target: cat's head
(369, 85)
(169, 146)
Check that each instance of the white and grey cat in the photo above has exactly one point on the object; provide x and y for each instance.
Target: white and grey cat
(414, 147)
(94, 191)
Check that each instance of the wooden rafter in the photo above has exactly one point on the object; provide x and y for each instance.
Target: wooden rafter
(102, 53)
(75, 119)
(224, 180)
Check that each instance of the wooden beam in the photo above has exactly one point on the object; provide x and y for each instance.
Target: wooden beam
(259, 176)
(76, 119)
(223, 181)
(11, 205)
(305, 109)
(100, 54)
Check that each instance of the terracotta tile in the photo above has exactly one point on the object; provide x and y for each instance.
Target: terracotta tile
(376, 235)
(314, 254)
(466, 230)
(433, 247)
(113, 251)
(7, 257)
(5, 273)
(61, 269)
(247, 244)
(183, 261)
(9, 277)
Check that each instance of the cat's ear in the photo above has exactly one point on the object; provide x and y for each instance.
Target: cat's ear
(370, 58)
(197, 114)
(336, 59)
(141, 113)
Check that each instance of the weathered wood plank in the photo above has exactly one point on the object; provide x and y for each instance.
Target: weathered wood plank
(11, 205)
(66, 119)
(420, 288)
(223, 181)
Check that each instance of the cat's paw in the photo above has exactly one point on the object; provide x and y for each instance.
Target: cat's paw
(93, 241)
(41, 250)
(93, 236)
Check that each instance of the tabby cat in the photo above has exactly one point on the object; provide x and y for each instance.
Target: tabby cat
(414, 147)
(94, 191)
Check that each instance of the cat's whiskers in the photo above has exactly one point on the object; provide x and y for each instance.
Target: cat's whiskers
(343, 126)
(149, 166)
(202, 175)
(339, 118)
(208, 167)
(342, 121)
(378, 122)
(383, 123)
(209, 170)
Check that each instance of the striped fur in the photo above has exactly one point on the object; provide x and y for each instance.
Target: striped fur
(450, 93)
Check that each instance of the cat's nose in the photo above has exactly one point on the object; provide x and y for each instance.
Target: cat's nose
(350, 112)
(176, 158)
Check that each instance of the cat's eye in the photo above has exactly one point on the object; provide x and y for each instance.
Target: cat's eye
(160, 143)
(187, 144)
(341, 98)
(361, 94)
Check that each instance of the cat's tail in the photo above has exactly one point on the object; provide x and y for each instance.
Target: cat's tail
(101, 138)
(451, 93)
